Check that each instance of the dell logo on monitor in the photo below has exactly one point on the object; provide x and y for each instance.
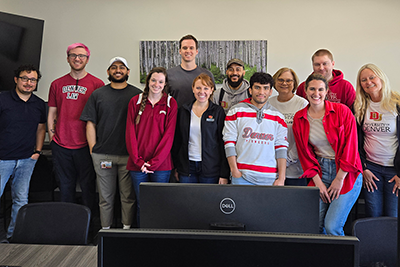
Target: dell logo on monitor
(227, 205)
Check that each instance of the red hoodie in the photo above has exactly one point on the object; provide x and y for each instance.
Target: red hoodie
(340, 90)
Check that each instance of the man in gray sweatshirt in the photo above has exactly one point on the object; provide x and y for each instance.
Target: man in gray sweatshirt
(234, 87)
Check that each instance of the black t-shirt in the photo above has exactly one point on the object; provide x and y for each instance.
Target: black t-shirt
(108, 109)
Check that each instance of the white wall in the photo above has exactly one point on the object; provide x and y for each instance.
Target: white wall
(356, 31)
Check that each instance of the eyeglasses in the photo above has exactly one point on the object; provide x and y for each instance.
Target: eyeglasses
(288, 81)
(25, 79)
(73, 56)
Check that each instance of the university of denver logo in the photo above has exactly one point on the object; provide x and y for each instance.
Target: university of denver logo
(375, 116)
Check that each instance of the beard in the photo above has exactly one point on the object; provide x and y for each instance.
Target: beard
(235, 84)
(25, 92)
(121, 80)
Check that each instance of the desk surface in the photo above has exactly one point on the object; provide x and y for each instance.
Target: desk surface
(47, 255)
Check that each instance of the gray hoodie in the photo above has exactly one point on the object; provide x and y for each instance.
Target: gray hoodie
(231, 97)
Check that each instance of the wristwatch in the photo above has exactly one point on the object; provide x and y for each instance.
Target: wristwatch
(38, 152)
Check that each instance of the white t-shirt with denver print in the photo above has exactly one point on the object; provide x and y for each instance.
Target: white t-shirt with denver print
(380, 142)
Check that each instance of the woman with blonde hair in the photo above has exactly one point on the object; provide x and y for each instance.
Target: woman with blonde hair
(288, 103)
(150, 129)
(377, 110)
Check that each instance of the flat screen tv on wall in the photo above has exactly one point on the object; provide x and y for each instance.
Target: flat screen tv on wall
(20, 43)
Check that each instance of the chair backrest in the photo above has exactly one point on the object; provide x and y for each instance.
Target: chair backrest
(378, 240)
(55, 223)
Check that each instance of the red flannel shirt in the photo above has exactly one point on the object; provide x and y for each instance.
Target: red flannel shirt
(341, 131)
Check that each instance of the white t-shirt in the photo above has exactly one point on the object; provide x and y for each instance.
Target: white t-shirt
(380, 141)
(318, 139)
(288, 109)
(195, 138)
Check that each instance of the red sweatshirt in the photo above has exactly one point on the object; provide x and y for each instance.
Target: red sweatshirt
(151, 140)
(341, 131)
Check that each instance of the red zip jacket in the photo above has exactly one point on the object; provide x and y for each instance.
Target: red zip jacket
(151, 140)
(341, 131)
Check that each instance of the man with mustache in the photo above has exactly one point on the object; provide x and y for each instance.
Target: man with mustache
(105, 115)
(234, 87)
(22, 132)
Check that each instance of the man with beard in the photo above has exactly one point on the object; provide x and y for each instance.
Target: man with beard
(180, 78)
(105, 115)
(340, 90)
(234, 87)
(255, 137)
(67, 98)
(22, 131)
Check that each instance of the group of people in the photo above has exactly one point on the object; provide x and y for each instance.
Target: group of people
(181, 127)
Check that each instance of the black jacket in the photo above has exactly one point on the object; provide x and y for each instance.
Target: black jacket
(361, 149)
(214, 161)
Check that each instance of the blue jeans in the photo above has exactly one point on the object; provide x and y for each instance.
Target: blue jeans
(139, 177)
(333, 216)
(240, 181)
(196, 175)
(20, 172)
(381, 202)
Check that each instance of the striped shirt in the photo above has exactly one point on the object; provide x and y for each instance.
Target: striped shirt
(257, 137)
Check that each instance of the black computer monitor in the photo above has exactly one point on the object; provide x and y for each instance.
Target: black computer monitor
(156, 247)
(290, 209)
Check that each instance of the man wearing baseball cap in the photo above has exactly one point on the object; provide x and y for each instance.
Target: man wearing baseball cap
(105, 116)
(234, 87)
(67, 133)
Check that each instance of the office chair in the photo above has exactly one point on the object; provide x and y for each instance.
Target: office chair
(55, 223)
(378, 241)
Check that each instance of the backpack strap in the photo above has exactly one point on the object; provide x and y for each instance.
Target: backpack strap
(221, 96)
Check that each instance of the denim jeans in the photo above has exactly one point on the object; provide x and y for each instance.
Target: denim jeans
(381, 202)
(333, 216)
(240, 181)
(196, 175)
(20, 172)
(139, 177)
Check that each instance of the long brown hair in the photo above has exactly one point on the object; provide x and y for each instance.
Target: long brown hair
(147, 89)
